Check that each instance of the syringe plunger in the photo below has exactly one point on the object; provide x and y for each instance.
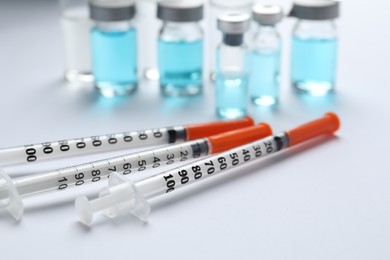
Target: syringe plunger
(9, 197)
(121, 196)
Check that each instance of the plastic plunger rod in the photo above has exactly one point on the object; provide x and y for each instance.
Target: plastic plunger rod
(123, 196)
(120, 197)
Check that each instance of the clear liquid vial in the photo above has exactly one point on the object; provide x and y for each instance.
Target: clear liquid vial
(265, 56)
(314, 47)
(114, 47)
(231, 84)
(75, 24)
(180, 48)
(217, 8)
(148, 27)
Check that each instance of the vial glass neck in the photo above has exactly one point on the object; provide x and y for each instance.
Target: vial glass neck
(180, 25)
(233, 39)
(315, 29)
(181, 31)
(266, 27)
(269, 29)
(232, 4)
(316, 22)
(114, 25)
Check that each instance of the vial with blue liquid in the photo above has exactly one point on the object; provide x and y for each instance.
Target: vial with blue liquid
(265, 56)
(232, 72)
(180, 48)
(314, 47)
(114, 49)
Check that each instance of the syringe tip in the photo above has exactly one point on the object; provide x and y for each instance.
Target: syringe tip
(84, 210)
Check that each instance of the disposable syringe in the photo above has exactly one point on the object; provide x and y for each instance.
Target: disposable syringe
(13, 190)
(118, 141)
(123, 196)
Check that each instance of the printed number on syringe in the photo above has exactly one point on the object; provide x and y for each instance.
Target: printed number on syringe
(80, 176)
(139, 165)
(66, 145)
(221, 162)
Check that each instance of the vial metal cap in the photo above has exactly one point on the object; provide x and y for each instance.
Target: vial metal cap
(267, 14)
(234, 23)
(315, 9)
(112, 10)
(180, 11)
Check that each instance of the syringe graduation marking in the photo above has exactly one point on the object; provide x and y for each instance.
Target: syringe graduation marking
(206, 167)
(119, 141)
(36, 152)
(127, 164)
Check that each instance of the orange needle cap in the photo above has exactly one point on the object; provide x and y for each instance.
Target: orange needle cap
(197, 131)
(328, 124)
(229, 140)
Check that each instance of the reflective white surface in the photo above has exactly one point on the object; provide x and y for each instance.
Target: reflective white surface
(325, 201)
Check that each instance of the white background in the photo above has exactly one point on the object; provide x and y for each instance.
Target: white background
(323, 200)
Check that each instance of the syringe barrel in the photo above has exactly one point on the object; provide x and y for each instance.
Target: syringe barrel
(171, 180)
(90, 145)
(137, 162)
(80, 175)
(117, 141)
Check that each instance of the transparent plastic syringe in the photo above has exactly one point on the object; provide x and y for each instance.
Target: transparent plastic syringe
(13, 190)
(123, 196)
(118, 141)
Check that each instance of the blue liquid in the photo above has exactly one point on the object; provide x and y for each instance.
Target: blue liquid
(180, 66)
(314, 65)
(231, 93)
(114, 61)
(265, 78)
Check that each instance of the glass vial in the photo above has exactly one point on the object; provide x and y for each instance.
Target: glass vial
(231, 85)
(114, 47)
(148, 27)
(180, 48)
(314, 46)
(265, 55)
(76, 25)
(217, 8)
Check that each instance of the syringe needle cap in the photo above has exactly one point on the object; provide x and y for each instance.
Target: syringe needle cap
(326, 125)
(197, 131)
(225, 141)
